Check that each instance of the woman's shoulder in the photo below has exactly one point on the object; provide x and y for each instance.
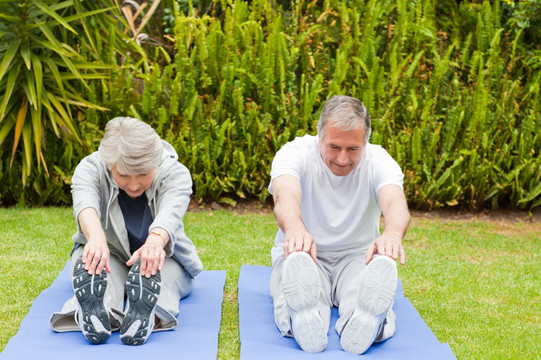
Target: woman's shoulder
(92, 161)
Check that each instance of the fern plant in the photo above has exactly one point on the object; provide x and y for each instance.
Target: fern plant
(452, 87)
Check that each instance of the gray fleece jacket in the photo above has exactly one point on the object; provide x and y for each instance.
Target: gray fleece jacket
(168, 197)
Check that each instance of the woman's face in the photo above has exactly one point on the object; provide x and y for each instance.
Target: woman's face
(133, 185)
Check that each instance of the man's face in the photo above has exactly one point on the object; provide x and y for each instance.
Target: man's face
(341, 150)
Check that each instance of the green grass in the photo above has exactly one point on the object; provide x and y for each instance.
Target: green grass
(475, 283)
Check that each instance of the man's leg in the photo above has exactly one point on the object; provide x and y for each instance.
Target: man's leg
(365, 296)
(301, 306)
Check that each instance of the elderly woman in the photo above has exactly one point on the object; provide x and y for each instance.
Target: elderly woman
(129, 199)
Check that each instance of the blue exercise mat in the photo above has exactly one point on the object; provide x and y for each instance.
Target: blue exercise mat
(261, 339)
(196, 336)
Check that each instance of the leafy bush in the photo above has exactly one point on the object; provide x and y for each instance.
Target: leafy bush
(453, 89)
(36, 76)
(51, 53)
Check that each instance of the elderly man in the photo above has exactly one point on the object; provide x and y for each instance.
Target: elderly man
(329, 192)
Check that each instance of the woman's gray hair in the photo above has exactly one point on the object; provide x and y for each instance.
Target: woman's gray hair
(131, 145)
(346, 113)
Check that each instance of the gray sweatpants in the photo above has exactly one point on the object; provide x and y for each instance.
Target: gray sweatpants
(176, 284)
(339, 276)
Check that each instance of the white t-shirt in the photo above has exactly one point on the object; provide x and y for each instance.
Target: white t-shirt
(340, 212)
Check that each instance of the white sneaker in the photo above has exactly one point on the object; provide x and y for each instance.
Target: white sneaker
(375, 297)
(300, 284)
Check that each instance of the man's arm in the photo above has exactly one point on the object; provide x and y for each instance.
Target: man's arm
(394, 208)
(287, 194)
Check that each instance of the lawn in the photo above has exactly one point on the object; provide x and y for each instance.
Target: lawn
(474, 281)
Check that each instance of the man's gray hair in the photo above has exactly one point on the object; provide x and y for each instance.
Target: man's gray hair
(346, 113)
(131, 145)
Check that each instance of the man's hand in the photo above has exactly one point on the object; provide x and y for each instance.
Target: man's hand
(299, 240)
(396, 215)
(287, 209)
(387, 245)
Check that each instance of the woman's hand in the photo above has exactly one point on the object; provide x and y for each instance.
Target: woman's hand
(96, 256)
(96, 252)
(152, 255)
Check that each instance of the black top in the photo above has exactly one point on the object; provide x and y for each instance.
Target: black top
(137, 218)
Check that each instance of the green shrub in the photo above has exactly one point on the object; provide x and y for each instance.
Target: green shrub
(37, 74)
(51, 52)
(453, 90)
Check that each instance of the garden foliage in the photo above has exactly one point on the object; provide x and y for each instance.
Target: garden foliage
(452, 87)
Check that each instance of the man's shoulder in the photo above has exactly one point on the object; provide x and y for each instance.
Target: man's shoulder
(379, 162)
(374, 148)
(306, 140)
(300, 145)
(374, 151)
(295, 157)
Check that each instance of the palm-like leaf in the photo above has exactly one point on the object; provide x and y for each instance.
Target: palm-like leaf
(38, 74)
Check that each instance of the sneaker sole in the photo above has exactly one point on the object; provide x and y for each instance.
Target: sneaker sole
(89, 291)
(300, 285)
(142, 296)
(375, 296)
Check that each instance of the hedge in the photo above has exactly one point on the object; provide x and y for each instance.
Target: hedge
(452, 88)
